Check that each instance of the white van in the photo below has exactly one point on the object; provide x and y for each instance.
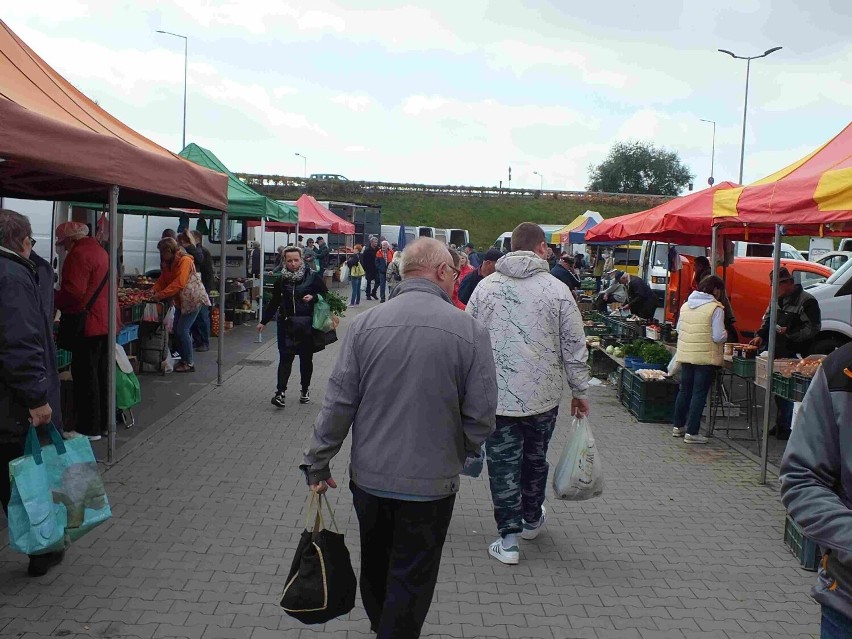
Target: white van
(504, 242)
(425, 231)
(441, 236)
(654, 264)
(753, 249)
(459, 237)
(835, 305)
(391, 233)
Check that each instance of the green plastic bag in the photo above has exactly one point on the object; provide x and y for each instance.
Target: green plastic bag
(36, 521)
(128, 393)
(322, 316)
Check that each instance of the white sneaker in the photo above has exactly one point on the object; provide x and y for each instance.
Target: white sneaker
(70, 434)
(531, 531)
(509, 555)
(694, 439)
(678, 432)
(94, 438)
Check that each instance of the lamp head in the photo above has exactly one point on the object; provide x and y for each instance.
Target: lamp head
(772, 50)
(730, 53)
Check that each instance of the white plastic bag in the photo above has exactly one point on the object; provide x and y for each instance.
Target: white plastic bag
(579, 474)
(170, 320)
(344, 273)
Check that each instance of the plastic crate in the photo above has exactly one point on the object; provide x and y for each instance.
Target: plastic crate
(782, 386)
(800, 385)
(802, 547)
(653, 390)
(127, 334)
(600, 363)
(633, 363)
(63, 358)
(596, 330)
(138, 311)
(743, 367)
(652, 411)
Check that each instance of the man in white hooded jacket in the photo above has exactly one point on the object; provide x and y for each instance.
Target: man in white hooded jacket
(538, 340)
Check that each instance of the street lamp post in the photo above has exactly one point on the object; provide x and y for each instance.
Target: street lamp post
(305, 160)
(748, 60)
(540, 180)
(185, 64)
(711, 179)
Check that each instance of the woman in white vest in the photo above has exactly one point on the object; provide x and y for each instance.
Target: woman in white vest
(701, 337)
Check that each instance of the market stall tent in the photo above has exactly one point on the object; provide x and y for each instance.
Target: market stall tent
(561, 236)
(56, 144)
(810, 197)
(313, 216)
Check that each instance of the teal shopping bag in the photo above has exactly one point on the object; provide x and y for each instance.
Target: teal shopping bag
(322, 316)
(76, 485)
(36, 522)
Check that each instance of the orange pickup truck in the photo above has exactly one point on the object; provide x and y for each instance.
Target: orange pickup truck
(747, 284)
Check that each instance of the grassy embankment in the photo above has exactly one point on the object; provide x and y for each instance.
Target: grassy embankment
(487, 218)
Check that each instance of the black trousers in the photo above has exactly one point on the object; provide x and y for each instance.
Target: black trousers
(306, 366)
(8, 452)
(372, 284)
(89, 370)
(401, 543)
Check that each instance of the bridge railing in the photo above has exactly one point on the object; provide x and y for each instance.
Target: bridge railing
(285, 187)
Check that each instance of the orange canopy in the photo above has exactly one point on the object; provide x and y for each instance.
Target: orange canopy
(812, 196)
(56, 144)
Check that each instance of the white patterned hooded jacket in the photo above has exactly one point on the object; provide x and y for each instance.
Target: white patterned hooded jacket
(536, 333)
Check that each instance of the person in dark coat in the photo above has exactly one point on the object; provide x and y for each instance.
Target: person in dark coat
(323, 254)
(45, 276)
(641, 300)
(29, 383)
(564, 272)
(200, 330)
(472, 256)
(371, 273)
(84, 274)
(294, 297)
(486, 268)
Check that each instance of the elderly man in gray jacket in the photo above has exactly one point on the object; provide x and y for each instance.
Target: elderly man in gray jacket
(437, 365)
(816, 485)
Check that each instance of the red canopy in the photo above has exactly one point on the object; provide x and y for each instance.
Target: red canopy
(807, 196)
(55, 143)
(313, 216)
(683, 220)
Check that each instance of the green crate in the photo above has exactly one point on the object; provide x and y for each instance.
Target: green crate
(782, 386)
(802, 547)
(653, 390)
(63, 358)
(600, 363)
(653, 411)
(138, 311)
(596, 330)
(800, 385)
(743, 367)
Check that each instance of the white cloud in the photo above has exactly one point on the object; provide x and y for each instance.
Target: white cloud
(353, 102)
(281, 92)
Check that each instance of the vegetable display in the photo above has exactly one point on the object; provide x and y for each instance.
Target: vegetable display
(654, 353)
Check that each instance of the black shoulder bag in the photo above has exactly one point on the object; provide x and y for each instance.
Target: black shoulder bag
(72, 326)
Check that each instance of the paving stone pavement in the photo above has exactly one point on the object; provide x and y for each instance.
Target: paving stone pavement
(684, 541)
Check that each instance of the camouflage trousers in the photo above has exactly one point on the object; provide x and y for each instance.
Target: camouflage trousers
(517, 468)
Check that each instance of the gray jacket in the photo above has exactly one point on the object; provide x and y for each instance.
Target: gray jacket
(816, 476)
(435, 363)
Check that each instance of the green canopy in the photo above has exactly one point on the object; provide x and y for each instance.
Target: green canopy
(244, 203)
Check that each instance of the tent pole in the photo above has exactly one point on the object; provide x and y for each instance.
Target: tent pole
(259, 339)
(145, 247)
(113, 327)
(770, 360)
(714, 240)
(223, 236)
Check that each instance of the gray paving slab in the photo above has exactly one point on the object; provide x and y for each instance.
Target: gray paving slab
(208, 508)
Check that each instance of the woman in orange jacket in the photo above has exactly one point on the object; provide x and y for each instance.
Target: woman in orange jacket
(177, 267)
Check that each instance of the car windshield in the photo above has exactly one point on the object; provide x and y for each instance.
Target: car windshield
(838, 274)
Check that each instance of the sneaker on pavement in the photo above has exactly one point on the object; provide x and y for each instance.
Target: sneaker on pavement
(40, 564)
(695, 439)
(678, 432)
(531, 531)
(94, 438)
(278, 400)
(508, 555)
(305, 397)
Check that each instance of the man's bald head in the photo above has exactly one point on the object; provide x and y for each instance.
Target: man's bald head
(428, 259)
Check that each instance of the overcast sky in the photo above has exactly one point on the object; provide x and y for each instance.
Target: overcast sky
(457, 92)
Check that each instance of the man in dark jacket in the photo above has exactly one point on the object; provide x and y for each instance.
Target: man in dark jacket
(472, 256)
(200, 330)
(816, 485)
(371, 273)
(29, 384)
(799, 321)
(641, 300)
(406, 458)
(322, 251)
(469, 283)
(564, 272)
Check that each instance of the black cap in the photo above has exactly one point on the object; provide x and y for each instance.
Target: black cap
(492, 255)
(783, 275)
(618, 275)
(469, 245)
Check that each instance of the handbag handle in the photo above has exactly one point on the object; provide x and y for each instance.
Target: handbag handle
(317, 500)
(32, 446)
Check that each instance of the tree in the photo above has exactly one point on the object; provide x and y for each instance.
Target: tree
(640, 167)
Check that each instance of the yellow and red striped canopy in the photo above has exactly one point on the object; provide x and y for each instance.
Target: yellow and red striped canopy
(811, 196)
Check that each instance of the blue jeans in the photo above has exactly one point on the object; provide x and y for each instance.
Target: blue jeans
(835, 625)
(201, 328)
(695, 383)
(383, 278)
(183, 324)
(356, 290)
